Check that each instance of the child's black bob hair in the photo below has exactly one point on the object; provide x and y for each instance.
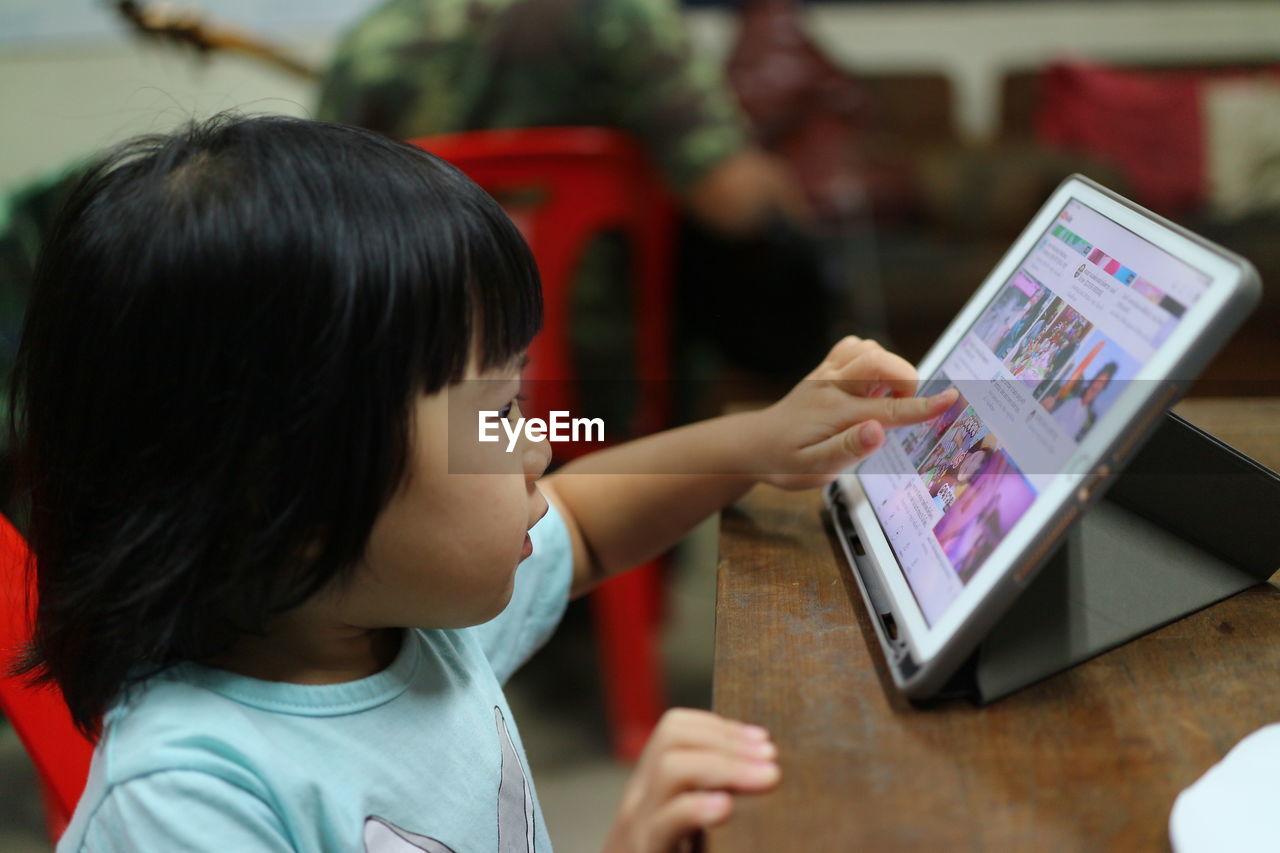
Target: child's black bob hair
(213, 394)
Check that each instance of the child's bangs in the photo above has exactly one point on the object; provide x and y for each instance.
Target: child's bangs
(474, 280)
(506, 292)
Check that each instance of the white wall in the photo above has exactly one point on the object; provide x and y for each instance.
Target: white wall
(64, 102)
(60, 100)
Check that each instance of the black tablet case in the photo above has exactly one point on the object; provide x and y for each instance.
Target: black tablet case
(1188, 522)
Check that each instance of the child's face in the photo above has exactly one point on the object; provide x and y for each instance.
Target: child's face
(443, 552)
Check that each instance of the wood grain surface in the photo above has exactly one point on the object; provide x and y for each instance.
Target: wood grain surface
(1090, 759)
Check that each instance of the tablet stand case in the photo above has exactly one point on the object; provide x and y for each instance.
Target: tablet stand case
(1184, 525)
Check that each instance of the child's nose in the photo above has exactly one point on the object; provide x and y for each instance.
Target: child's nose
(537, 456)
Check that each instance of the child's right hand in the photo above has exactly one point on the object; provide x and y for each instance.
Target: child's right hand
(685, 779)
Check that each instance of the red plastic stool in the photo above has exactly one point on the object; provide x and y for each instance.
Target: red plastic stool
(58, 750)
(562, 187)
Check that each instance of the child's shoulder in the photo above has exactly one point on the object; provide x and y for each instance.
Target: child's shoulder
(177, 759)
(170, 722)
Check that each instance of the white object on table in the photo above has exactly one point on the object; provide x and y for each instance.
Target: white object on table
(1234, 805)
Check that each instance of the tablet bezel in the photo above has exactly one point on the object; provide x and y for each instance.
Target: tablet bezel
(1232, 290)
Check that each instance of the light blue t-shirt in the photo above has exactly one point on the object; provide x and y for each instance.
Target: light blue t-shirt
(421, 756)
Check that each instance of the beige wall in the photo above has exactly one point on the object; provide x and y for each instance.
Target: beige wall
(60, 102)
(65, 101)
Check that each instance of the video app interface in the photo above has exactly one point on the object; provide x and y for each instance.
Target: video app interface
(1046, 359)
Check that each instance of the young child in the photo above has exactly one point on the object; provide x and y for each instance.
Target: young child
(262, 564)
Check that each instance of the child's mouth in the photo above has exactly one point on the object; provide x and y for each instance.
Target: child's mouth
(528, 547)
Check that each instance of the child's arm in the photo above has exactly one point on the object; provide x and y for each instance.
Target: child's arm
(696, 761)
(832, 418)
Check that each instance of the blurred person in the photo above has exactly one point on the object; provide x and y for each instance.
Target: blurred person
(26, 219)
(750, 278)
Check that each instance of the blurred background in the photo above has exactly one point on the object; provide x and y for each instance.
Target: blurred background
(921, 137)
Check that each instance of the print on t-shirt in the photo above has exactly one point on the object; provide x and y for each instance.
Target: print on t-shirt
(515, 812)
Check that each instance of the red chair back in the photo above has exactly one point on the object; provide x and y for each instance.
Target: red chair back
(58, 750)
(562, 186)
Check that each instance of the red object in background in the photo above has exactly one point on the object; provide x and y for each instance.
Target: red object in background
(563, 187)
(58, 750)
(1150, 125)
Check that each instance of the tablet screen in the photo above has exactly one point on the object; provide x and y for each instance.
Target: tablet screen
(1044, 361)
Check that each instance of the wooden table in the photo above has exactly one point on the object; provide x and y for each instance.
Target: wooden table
(1090, 759)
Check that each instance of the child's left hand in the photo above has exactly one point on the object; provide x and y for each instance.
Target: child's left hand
(837, 415)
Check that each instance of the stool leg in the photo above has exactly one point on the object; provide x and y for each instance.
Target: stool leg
(626, 611)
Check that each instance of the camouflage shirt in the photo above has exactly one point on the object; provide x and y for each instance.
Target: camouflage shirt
(420, 67)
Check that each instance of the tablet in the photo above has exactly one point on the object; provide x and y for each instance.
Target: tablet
(1089, 328)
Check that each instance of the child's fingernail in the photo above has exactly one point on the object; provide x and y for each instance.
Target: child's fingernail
(755, 732)
(869, 434)
(762, 749)
(762, 771)
(715, 804)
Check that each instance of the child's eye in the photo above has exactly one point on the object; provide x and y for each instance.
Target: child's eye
(505, 411)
